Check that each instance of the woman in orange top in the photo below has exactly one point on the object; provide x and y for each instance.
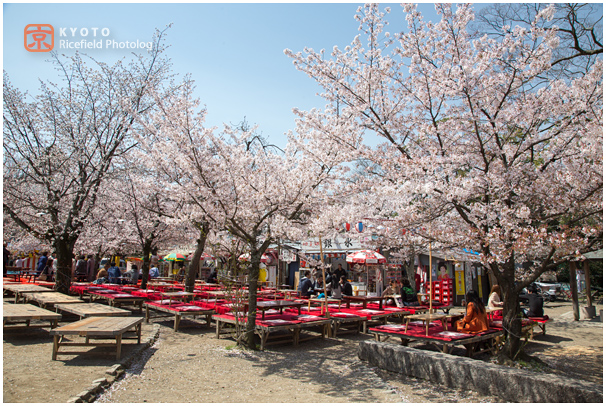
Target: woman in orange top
(475, 319)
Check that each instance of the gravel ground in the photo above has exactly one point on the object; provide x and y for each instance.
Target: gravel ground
(193, 366)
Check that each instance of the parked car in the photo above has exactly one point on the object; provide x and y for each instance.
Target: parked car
(105, 260)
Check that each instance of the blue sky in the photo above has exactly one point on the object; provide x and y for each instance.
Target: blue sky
(234, 52)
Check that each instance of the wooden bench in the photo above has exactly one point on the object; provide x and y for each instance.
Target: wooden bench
(19, 289)
(178, 310)
(26, 313)
(473, 343)
(117, 299)
(287, 330)
(49, 299)
(92, 310)
(96, 328)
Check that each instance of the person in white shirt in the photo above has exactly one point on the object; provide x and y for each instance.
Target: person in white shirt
(494, 300)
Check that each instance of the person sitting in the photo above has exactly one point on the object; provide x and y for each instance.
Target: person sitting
(113, 274)
(346, 288)
(154, 272)
(335, 290)
(475, 319)
(306, 285)
(102, 275)
(132, 275)
(318, 282)
(494, 300)
(535, 302)
(391, 290)
(408, 295)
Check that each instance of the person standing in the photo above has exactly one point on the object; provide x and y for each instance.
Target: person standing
(42, 262)
(5, 257)
(91, 268)
(81, 269)
(340, 272)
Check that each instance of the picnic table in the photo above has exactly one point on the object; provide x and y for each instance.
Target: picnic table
(178, 310)
(92, 310)
(363, 299)
(177, 295)
(277, 304)
(284, 330)
(426, 318)
(49, 298)
(97, 328)
(444, 341)
(26, 313)
(321, 301)
(19, 289)
(116, 298)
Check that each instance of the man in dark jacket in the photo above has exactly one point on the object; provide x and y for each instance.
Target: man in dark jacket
(535, 302)
(306, 286)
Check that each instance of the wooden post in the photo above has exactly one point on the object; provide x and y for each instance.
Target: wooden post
(573, 289)
(430, 281)
(587, 282)
(323, 276)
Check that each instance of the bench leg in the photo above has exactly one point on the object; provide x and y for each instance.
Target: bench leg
(147, 314)
(118, 346)
(177, 321)
(55, 347)
(138, 329)
(218, 328)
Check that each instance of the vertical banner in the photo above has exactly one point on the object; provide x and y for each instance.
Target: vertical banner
(468, 278)
(460, 281)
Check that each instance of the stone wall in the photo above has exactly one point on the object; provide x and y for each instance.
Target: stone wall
(508, 384)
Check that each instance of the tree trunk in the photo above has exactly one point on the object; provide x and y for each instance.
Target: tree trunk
(512, 323)
(65, 255)
(145, 267)
(572, 269)
(194, 265)
(253, 277)
(411, 271)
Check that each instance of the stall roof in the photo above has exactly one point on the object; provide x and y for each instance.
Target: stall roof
(594, 254)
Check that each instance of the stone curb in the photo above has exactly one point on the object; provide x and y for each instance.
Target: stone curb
(506, 383)
(115, 372)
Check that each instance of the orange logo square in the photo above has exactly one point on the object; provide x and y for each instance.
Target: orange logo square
(39, 37)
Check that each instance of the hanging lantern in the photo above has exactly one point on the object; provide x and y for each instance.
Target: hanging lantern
(359, 227)
(347, 226)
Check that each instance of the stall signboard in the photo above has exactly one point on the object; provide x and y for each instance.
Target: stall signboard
(332, 244)
(460, 282)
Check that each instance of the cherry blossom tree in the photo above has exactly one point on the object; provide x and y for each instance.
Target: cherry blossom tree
(471, 140)
(232, 181)
(60, 144)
